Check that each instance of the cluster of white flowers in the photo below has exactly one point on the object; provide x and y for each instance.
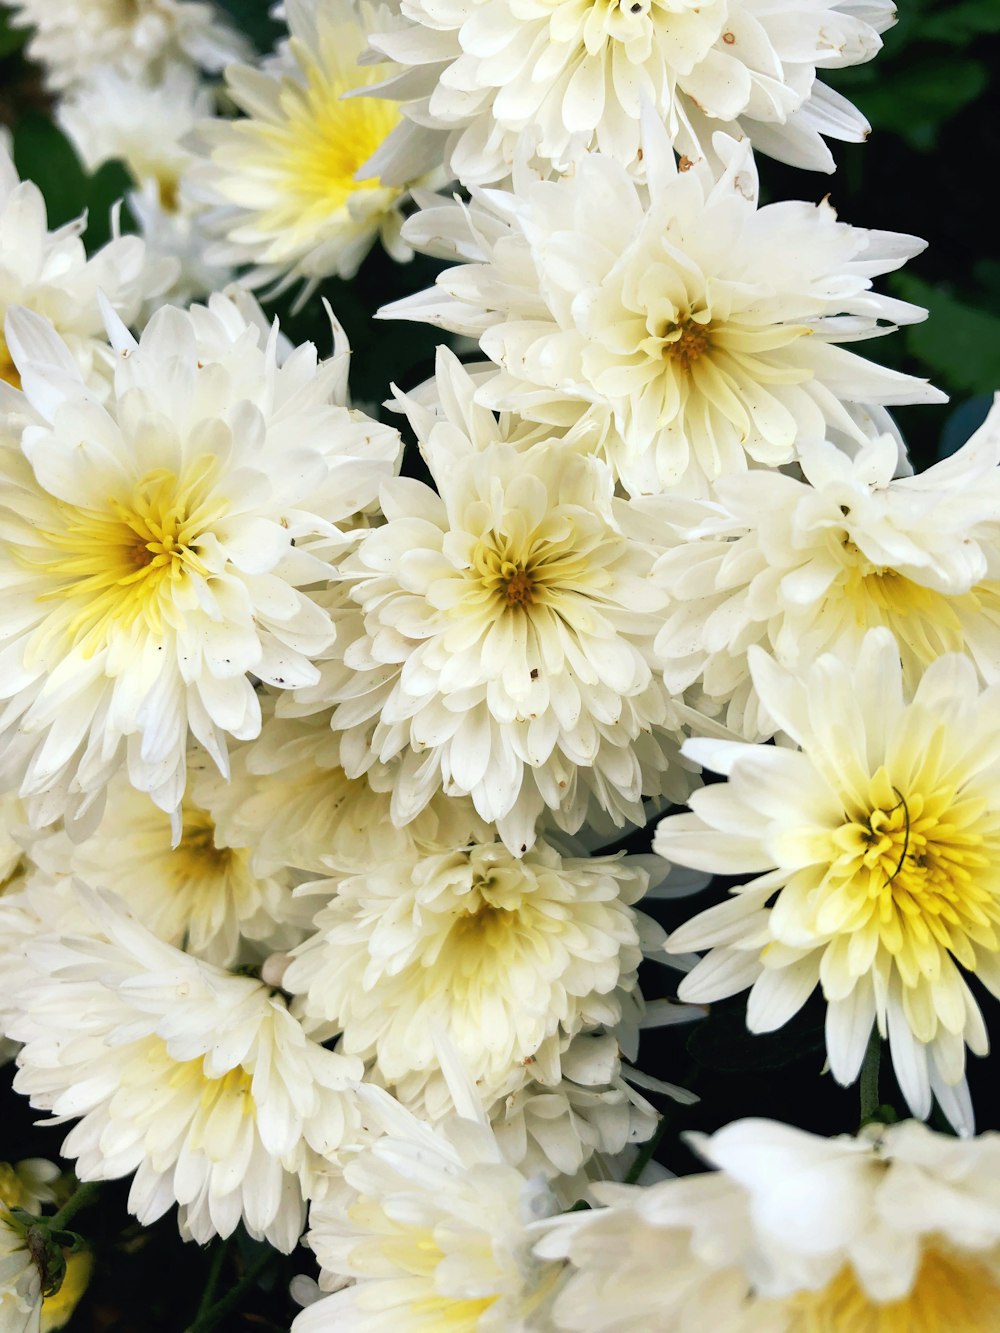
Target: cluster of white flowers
(312, 773)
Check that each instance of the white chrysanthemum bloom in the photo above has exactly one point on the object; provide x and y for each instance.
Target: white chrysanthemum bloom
(805, 566)
(20, 1279)
(706, 328)
(555, 79)
(142, 123)
(500, 640)
(498, 954)
(897, 1231)
(292, 802)
(49, 272)
(203, 893)
(198, 1081)
(435, 1228)
(75, 39)
(154, 549)
(878, 840)
(283, 180)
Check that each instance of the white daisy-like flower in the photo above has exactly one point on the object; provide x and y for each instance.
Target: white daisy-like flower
(435, 1228)
(49, 272)
(498, 638)
(282, 182)
(555, 79)
(875, 847)
(74, 39)
(896, 1231)
(142, 123)
(20, 1279)
(706, 328)
(499, 954)
(203, 893)
(198, 1081)
(291, 801)
(154, 548)
(805, 566)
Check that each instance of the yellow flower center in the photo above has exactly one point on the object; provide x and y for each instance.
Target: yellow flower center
(915, 863)
(325, 137)
(519, 572)
(953, 1293)
(13, 1192)
(8, 371)
(196, 856)
(686, 342)
(211, 1102)
(126, 562)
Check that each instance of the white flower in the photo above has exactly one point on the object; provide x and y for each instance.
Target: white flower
(204, 894)
(435, 1228)
(803, 567)
(897, 1231)
(499, 646)
(878, 840)
(154, 549)
(49, 272)
(198, 1081)
(555, 79)
(290, 801)
(20, 1280)
(74, 39)
(498, 954)
(705, 327)
(282, 181)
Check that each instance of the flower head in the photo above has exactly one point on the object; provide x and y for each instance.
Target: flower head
(552, 80)
(154, 549)
(878, 840)
(198, 1081)
(283, 182)
(499, 639)
(704, 327)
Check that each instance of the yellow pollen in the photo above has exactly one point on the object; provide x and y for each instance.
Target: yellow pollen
(954, 1292)
(196, 856)
(108, 568)
(685, 343)
(8, 371)
(519, 588)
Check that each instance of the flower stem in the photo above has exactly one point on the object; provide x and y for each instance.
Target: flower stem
(869, 1078)
(82, 1195)
(215, 1269)
(213, 1317)
(645, 1153)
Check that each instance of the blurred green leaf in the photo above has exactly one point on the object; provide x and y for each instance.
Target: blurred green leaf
(960, 24)
(252, 17)
(915, 100)
(42, 153)
(959, 342)
(11, 39)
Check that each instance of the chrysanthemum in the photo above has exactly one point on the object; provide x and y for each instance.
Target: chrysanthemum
(202, 893)
(896, 1231)
(493, 639)
(153, 549)
(497, 953)
(198, 1081)
(805, 566)
(292, 802)
(876, 846)
(49, 272)
(555, 79)
(704, 327)
(73, 39)
(282, 181)
(434, 1226)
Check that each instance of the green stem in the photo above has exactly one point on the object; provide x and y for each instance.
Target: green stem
(870, 1101)
(212, 1318)
(645, 1153)
(82, 1195)
(208, 1295)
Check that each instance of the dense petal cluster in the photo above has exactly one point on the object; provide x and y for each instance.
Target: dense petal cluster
(892, 1232)
(877, 839)
(552, 80)
(154, 548)
(197, 1081)
(706, 328)
(805, 565)
(283, 182)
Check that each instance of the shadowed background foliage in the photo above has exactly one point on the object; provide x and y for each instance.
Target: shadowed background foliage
(927, 169)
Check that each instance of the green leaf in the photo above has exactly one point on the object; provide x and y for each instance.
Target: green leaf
(914, 102)
(959, 342)
(43, 154)
(960, 24)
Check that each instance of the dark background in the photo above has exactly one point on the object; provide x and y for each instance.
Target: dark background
(929, 168)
